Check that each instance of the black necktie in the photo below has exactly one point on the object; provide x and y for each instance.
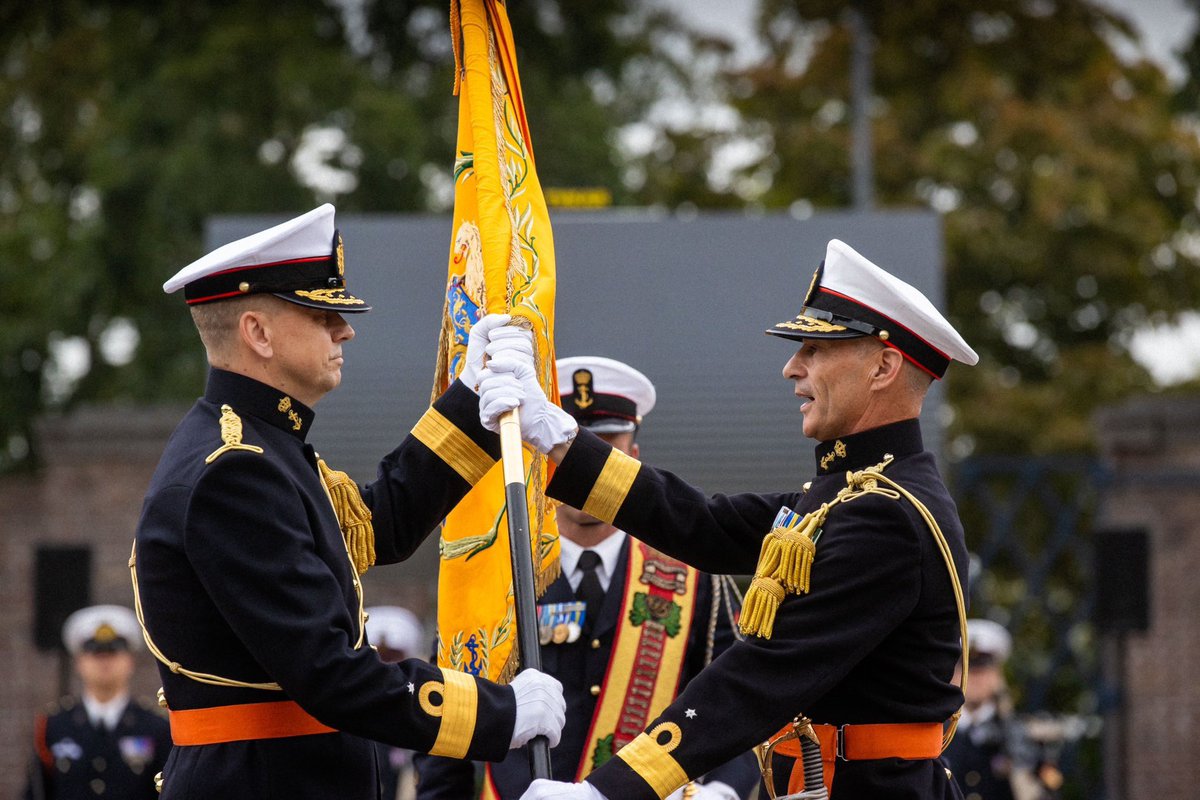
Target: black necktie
(590, 591)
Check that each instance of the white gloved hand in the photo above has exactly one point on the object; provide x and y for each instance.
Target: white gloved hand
(509, 381)
(542, 789)
(707, 791)
(477, 342)
(541, 709)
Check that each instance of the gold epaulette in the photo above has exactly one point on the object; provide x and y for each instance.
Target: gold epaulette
(231, 435)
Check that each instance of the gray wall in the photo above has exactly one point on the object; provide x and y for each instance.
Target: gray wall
(684, 300)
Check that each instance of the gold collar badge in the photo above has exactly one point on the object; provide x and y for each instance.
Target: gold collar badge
(285, 407)
(839, 451)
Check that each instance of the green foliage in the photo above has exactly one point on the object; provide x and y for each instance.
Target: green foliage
(1067, 184)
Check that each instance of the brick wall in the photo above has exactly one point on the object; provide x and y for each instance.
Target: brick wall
(1154, 446)
(96, 465)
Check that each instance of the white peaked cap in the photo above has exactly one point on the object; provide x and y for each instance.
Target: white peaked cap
(397, 628)
(101, 624)
(851, 296)
(603, 394)
(989, 637)
(300, 260)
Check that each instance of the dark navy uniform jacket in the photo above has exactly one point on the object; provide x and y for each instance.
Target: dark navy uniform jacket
(75, 760)
(580, 666)
(875, 640)
(244, 574)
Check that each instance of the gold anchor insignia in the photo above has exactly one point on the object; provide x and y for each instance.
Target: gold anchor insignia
(231, 434)
(583, 388)
(813, 285)
(341, 257)
(839, 451)
(285, 407)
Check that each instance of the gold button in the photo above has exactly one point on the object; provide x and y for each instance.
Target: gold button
(243, 287)
(97, 786)
(366, 616)
(595, 690)
(884, 335)
(595, 644)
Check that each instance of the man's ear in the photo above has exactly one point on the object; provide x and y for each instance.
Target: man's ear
(254, 329)
(888, 368)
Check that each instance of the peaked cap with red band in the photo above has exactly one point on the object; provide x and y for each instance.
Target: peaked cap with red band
(301, 261)
(849, 296)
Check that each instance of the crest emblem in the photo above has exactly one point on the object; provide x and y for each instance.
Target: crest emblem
(584, 395)
(814, 284)
(341, 255)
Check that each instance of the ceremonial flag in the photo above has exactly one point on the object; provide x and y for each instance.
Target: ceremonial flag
(501, 260)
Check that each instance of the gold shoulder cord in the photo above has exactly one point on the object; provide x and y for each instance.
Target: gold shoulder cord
(785, 563)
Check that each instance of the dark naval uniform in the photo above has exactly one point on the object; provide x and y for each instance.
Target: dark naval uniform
(243, 573)
(875, 640)
(76, 760)
(582, 666)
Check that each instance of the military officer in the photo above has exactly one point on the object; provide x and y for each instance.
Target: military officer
(103, 743)
(249, 549)
(617, 671)
(854, 618)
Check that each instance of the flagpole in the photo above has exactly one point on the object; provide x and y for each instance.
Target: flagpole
(524, 594)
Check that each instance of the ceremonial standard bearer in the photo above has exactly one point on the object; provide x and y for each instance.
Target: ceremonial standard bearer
(249, 549)
(854, 619)
(623, 627)
(103, 743)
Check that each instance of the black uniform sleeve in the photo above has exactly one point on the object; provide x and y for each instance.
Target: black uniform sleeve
(721, 533)
(741, 772)
(446, 453)
(862, 587)
(250, 542)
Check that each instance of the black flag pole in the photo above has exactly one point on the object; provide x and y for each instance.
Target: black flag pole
(524, 594)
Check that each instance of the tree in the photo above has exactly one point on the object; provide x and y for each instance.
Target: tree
(1067, 184)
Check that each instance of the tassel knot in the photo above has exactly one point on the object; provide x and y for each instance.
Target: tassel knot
(760, 606)
(353, 516)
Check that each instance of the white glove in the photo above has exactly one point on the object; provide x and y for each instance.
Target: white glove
(707, 791)
(509, 381)
(541, 709)
(477, 342)
(542, 789)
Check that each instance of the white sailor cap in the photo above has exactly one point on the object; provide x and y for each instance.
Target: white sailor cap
(397, 629)
(101, 629)
(988, 639)
(849, 296)
(604, 395)
(301, 261)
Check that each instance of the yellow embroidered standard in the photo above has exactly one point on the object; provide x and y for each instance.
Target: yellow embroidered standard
(231, 434)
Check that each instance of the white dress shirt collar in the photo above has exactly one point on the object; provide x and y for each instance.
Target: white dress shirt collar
(609, 551)
(105, 715)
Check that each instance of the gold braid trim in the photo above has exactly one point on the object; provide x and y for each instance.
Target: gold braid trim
(457, 712)
(784, 567)
(354, 518)
(453, 446)
(653, 761)
(612, 485)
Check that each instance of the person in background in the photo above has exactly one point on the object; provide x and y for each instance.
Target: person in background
(396, 634)
(991, 758)
(103, 743)
(621, 623)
